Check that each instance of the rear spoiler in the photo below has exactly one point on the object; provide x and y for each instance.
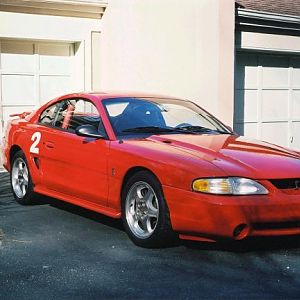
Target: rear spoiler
(22, 115)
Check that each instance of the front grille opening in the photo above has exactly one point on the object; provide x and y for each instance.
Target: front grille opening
(276, 225)
(284, 184)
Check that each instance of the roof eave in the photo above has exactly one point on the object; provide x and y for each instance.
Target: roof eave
(93, 9)
(267, 22)
(267, 16)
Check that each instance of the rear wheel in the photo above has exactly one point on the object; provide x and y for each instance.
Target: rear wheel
(144, 211)
(20, 180)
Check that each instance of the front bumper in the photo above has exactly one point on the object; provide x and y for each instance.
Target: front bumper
(210, 217)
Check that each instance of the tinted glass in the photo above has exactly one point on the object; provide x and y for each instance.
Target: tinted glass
(129, 113)
(72, 113)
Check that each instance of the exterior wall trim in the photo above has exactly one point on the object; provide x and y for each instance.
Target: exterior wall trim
(72, 8)
(267, 42)
(266, 22)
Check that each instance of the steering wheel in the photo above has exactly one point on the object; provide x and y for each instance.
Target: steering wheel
(183, 125)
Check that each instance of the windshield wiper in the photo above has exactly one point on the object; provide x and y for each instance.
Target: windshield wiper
(156, 129)
(200, 129)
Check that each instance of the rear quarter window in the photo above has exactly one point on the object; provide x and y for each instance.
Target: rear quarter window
(48, 115)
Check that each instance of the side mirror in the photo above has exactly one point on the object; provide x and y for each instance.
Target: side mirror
(88, 131)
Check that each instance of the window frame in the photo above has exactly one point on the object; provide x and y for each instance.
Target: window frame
(60, 103)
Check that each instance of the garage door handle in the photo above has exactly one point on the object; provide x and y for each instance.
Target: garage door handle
(49, 145)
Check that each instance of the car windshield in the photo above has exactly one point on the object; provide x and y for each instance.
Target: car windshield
(130, 115)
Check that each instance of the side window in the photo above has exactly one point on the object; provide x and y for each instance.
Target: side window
(76, 112)
(72, 113)
(48, 115)
(64, 113)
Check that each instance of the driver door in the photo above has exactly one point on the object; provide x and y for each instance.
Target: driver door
(71, 164)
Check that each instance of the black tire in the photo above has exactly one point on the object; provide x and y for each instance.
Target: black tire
(23, 196)
(162, 234)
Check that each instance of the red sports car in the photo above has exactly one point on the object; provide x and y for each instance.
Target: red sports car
(165, 166)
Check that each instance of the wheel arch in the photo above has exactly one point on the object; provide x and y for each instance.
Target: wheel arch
(13, 150)
(130, 172)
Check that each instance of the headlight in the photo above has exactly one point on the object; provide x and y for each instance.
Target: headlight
(229, 186)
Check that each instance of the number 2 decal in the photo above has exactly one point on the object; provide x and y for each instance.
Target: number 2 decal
(36, 137)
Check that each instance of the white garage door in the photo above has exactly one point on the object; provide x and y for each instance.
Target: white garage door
(267, 98)
(32, 73)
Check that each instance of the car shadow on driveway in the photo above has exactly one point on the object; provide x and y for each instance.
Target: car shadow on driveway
(253, 244)
(82, 212)
(247, 245)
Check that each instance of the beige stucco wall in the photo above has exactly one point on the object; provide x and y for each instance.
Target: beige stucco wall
(173, 47)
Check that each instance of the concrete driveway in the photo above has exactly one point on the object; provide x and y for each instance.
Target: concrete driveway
(58, 251)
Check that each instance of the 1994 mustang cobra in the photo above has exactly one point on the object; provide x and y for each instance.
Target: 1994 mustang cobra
(165, 166)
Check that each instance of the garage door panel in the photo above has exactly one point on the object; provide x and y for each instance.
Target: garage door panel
(296, 136)
(274, 71)
(246, 108)
(17, 57)
(55, 59)
(275, 133)
(13, 63)
(53, 86)
(275, 78)
(296, 104)
(55, 65)
(296, 78)
(18, 89)
(274, 106)
(296, 73)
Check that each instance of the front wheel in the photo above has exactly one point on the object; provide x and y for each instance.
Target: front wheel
(144, 211)
(20, 180)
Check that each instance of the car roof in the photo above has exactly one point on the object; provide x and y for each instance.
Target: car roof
(104, 95)
(117, 94)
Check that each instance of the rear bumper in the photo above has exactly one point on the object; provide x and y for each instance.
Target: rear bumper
(3, 155)
(210, 217)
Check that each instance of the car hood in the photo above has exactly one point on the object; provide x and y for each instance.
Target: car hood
(237, 156)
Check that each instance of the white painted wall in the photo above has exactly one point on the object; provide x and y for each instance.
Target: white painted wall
(173, 47)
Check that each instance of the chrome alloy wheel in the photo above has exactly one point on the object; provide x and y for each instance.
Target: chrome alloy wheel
(142, 209)
(19, 177)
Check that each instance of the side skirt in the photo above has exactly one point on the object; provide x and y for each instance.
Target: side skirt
(80, 202)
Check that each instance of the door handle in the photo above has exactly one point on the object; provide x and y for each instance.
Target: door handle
(49, 145)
